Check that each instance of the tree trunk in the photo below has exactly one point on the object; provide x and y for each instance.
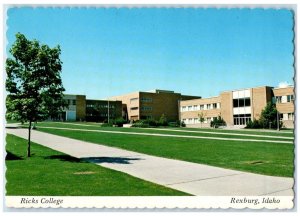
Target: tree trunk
(29, 134)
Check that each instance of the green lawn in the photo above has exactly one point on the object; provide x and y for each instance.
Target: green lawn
(177, 131)
(52, 173)
(275, 159)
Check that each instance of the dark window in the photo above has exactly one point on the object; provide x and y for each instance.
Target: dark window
(134, 108)
(74, 102)
(235, 103)
(242, 102)
(247, 102)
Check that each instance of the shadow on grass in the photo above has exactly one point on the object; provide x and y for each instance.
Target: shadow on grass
(67, 158)
(11, 156)
(115, 160)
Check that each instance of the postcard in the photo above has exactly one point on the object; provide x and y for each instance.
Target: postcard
(149, 107)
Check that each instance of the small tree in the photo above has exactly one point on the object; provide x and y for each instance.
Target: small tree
(269, 116)
(163, 120)
(201, 118)
(33, 82)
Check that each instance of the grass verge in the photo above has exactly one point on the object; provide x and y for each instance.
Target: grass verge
(276, 159)
(52, 173)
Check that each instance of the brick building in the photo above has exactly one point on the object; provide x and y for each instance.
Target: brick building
(152, 104)
(237, 107)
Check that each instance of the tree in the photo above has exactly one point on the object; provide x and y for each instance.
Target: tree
(201, 118)
(163, 120)
(33, 82)
(268, 116)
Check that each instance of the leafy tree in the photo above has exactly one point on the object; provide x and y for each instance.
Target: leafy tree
(201, 118)
(163, 120)
(269, 116)
(33, 82)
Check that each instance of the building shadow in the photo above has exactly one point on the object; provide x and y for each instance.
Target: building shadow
(11, 156)
(113, 160)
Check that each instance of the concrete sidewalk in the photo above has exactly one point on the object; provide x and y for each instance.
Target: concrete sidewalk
(193, 178)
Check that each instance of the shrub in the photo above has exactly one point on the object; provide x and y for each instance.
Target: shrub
(106, 125)
(119, 122)
(182, 124)
(216, 122)
(141, 124)
(253, 124)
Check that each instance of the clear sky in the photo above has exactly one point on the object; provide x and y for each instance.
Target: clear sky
(107, 52)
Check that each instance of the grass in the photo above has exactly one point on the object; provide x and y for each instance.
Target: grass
(52, 173)
(274, 159)
(274, 136)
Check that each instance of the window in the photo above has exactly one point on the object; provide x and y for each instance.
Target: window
(290, 116)
(208, 106)
(146, 100)
(74, 102)
(241, 102)
(201, 107)
(214, 105)
(190, 108)
(183, 109)
(290, 98)
(196, 120)
(146, 116)
(146, 108)
(190, 120)
(241, 119)
(278, 99)
(195, 107)
(134, 108)
(133, 100)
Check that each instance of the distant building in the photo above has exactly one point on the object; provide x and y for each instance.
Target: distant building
(76, 108)
(103, 110)
(238, 107)
(81, 109)
(152, 104)
(284, 98)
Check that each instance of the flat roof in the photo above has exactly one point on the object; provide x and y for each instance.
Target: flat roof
(290, 86)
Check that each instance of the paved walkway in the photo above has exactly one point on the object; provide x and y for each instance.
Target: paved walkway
(193, 178)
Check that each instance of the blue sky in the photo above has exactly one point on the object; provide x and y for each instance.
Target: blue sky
(107, 52)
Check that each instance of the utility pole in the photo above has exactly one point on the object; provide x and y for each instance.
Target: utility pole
(278, 121)
(108, 111)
